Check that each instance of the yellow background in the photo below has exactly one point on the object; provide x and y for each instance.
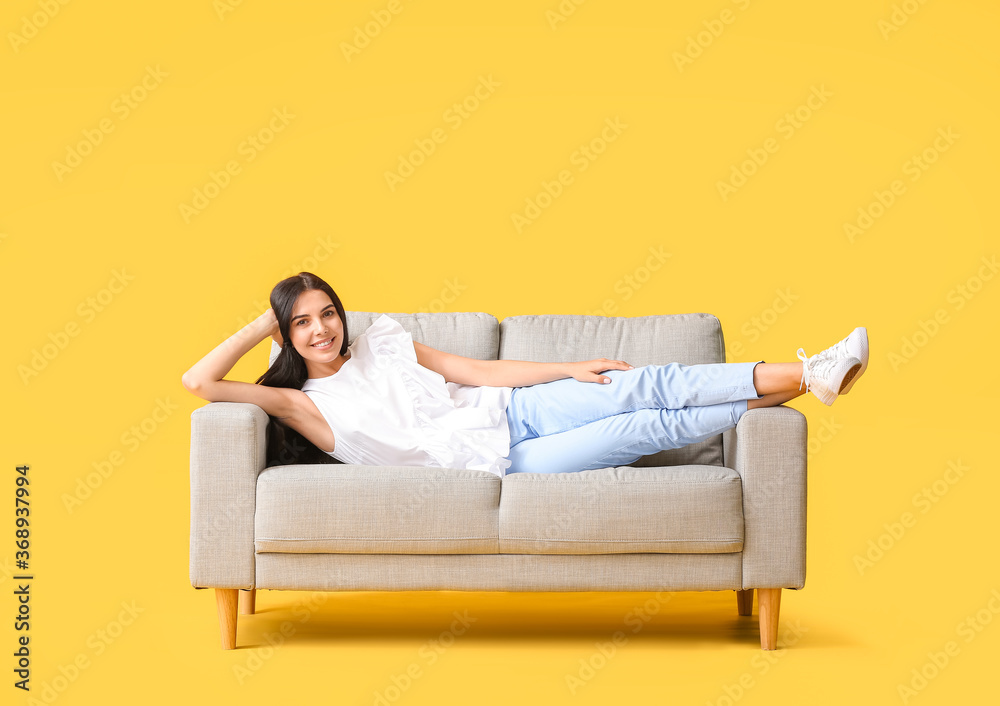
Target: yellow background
(317, 198)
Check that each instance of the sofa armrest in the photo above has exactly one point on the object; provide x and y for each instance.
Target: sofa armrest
(228, 451)
(768, 449)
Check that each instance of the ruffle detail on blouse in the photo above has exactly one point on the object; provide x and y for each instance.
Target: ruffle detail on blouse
(457, 435)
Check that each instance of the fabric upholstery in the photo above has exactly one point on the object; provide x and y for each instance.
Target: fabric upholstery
(499, 572)
(769, 453)
(227, 453)
(377, 510)
(689, 509)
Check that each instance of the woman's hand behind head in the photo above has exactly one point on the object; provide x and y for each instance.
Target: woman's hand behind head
(270, 323)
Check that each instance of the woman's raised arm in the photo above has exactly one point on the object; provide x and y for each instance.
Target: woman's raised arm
(223, 357)
(205, 378)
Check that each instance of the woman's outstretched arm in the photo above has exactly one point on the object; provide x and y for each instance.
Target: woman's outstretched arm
(523, 373)
(510, 373)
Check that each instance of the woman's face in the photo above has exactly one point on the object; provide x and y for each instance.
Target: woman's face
(315, 321)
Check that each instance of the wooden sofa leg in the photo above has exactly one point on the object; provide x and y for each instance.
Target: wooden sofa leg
(768, 605)
(744, 601)
(225, 601)
(248, 601)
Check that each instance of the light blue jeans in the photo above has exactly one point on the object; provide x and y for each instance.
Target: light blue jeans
(565, 425)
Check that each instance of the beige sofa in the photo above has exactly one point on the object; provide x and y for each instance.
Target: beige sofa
(725, 514)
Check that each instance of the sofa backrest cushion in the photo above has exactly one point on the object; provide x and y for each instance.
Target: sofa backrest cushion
(639, 340)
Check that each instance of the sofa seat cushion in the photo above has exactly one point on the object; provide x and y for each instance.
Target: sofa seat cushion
(677, 509)
(324, 508)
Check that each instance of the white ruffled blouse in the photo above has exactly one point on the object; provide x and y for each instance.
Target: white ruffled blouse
(386, 409)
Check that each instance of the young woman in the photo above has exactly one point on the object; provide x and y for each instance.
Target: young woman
(389, 400)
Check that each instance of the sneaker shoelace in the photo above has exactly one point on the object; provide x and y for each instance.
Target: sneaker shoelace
(801, 353)
(818, 364)
(837, 350)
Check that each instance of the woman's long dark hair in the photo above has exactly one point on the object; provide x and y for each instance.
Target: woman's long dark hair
(285, 445)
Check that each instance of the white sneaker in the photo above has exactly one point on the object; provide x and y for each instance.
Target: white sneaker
(856, 345)
(825, 377)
